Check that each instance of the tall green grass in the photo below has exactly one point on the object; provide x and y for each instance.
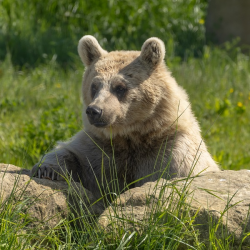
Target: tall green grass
(219, 89)
(169, 223)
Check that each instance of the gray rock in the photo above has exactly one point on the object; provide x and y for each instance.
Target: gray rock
(47, 200)
(215, 196)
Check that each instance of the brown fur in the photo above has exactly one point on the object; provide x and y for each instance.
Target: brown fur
(146, 121)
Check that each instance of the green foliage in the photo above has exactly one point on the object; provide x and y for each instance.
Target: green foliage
(14, 220)
(218, 85)
(54, 125)
(169, 223)
(37, 109)
(34, 31)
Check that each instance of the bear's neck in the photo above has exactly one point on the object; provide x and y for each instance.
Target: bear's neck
(146, 140)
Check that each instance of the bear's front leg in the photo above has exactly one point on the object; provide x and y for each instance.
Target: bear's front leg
(56, 166)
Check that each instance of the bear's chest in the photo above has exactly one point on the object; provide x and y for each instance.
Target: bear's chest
(133, 158)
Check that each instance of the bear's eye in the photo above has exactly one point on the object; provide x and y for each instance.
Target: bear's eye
(94, 89)
(120, 90)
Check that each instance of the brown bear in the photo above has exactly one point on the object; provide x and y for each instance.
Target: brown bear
(138, 123)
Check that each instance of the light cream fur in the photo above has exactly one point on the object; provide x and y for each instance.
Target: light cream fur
(152, 126)
(89, 47)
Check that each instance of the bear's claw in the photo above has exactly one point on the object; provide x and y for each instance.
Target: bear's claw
(47, 172)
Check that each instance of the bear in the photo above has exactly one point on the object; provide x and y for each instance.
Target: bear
(138, 124)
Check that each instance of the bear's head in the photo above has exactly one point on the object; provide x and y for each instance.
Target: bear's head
(125, 90)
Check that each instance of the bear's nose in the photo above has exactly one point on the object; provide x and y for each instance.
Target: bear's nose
(93, 112)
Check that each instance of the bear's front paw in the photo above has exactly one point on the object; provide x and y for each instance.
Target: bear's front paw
(47, 171)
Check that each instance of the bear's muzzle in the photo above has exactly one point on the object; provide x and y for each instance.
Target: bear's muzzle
(94, 115)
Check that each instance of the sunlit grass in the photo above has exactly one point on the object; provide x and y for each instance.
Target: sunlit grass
(38, 108)
(219, 89)
(169, 223)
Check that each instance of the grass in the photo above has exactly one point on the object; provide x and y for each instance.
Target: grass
(219, 89)
(32, 102)
(170, 224)
(41, 106)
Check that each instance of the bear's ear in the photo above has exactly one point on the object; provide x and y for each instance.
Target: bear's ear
(153, 51)
(90, 50)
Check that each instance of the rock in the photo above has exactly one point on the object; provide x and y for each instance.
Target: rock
(211, 197)
(215, 196)
(47, 200)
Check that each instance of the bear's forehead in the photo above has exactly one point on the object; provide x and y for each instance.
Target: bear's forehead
(115, 61)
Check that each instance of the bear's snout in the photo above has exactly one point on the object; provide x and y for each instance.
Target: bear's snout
(94, 115)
